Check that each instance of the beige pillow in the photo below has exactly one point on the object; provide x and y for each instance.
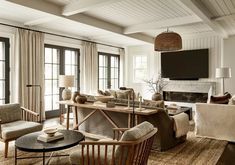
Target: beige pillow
(152, 103)
(122, 94)
(232, 100)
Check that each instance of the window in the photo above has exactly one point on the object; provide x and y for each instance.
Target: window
(140, 68)
(4, 70)
(109, 69)
(59, 60)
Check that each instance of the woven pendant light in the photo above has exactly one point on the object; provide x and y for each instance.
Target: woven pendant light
(168, 41)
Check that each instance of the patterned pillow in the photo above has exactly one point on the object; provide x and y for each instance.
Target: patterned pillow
(152, 103)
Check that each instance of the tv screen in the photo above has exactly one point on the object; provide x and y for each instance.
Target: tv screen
(185, 65)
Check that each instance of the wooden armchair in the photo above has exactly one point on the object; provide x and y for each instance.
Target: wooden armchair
(133, 148)
(16, 121)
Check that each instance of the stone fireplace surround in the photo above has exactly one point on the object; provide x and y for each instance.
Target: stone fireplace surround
(188, 91)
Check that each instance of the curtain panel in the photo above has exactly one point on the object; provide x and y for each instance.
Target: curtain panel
(31, 70)
(89, 68)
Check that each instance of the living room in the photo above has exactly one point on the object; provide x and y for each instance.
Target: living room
(87, 68)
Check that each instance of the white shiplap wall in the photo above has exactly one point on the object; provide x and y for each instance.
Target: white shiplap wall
(213, 42)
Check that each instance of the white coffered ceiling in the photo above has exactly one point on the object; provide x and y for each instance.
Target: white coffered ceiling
(123, 22)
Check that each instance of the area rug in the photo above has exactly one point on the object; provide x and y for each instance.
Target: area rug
(195, 151)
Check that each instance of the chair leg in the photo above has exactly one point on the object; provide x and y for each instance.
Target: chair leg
(6, 149)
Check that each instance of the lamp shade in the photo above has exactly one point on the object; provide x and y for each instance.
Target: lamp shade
(66, 80)
(168, 41)
(223, 72)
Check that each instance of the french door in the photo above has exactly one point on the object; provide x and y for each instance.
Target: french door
(4, 70)
(58, 61)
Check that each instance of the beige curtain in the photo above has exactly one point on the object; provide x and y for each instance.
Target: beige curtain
(89, 68)
(31, 70)
(122, 67)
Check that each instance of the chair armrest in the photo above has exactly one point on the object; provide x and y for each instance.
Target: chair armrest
(29, 111)
(119, 132)
(26, 115)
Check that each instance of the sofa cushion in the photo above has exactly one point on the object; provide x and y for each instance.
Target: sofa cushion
(152, 103)
(122, 94)
(224, 99)
(10, 113)
(16, 129)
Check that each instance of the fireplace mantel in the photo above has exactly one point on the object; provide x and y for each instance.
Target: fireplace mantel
(191, 86)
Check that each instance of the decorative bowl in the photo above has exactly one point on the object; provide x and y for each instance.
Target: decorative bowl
(50, 131)
(104, 99)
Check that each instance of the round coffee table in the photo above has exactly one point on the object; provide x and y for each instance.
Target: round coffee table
(29, 143)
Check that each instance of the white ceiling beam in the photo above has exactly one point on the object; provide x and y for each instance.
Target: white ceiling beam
(39, 21)
(162, 24)
(80, 6)
(81, 18)
(224, 17)
(202, 12)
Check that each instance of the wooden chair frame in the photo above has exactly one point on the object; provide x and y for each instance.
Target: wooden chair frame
(137, 151)
(27, 115)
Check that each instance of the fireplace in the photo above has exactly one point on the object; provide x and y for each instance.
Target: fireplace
(188, 91)
(188, 97)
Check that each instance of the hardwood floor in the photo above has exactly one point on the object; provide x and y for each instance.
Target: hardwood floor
(228, 156)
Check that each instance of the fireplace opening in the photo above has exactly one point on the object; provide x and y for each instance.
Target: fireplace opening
(189, 97)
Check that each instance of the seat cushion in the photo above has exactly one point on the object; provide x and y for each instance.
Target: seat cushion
(19, 128)
(10, 113)
(137, 132)
(76, 157)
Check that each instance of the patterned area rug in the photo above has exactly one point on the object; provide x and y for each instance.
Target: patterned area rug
(195, 151)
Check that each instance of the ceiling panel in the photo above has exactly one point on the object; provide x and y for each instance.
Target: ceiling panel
(219, 8)
(19, 13)
(195, 28)
(131, 12)
(60, 2)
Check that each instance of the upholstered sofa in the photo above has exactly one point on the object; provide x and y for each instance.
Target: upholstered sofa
(215, 121)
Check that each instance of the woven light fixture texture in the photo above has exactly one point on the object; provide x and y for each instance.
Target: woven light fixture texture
(168, 41)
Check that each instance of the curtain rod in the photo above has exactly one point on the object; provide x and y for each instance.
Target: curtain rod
(59, 35)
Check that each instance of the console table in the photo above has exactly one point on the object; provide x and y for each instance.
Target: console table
(102, 109)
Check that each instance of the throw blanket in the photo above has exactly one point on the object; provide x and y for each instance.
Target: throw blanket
(181, 125)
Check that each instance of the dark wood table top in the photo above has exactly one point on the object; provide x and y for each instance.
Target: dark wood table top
(30, 143)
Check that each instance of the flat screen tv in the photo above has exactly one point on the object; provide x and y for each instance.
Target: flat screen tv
(185, 65)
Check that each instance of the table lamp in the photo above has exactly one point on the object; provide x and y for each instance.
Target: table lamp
(223, 73)
(66, 81)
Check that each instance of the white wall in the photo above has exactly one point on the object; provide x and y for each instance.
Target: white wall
(229, 61)
(214, 43)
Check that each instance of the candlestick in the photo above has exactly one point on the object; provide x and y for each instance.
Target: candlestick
(128, 103)
(140, 102)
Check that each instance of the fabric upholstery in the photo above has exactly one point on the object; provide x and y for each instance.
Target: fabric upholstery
(152, 103)
(10, 113)
(181, 126)
(133, 134)
(215, 121)
(16, 129)
(224, 99)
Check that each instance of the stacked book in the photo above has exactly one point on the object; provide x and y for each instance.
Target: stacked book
(46, 138)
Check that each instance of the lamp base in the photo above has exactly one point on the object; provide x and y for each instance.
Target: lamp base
(66, 94)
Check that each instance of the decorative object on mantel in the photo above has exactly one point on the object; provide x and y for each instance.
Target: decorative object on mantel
(156, 87)
(223, 72)
(168, 41)
(66, 81)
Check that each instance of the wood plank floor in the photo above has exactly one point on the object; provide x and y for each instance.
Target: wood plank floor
(228, 156)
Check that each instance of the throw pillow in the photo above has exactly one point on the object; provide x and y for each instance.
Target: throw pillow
(122, 94)
(152, 103)
(221, 99)
(232, 100)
